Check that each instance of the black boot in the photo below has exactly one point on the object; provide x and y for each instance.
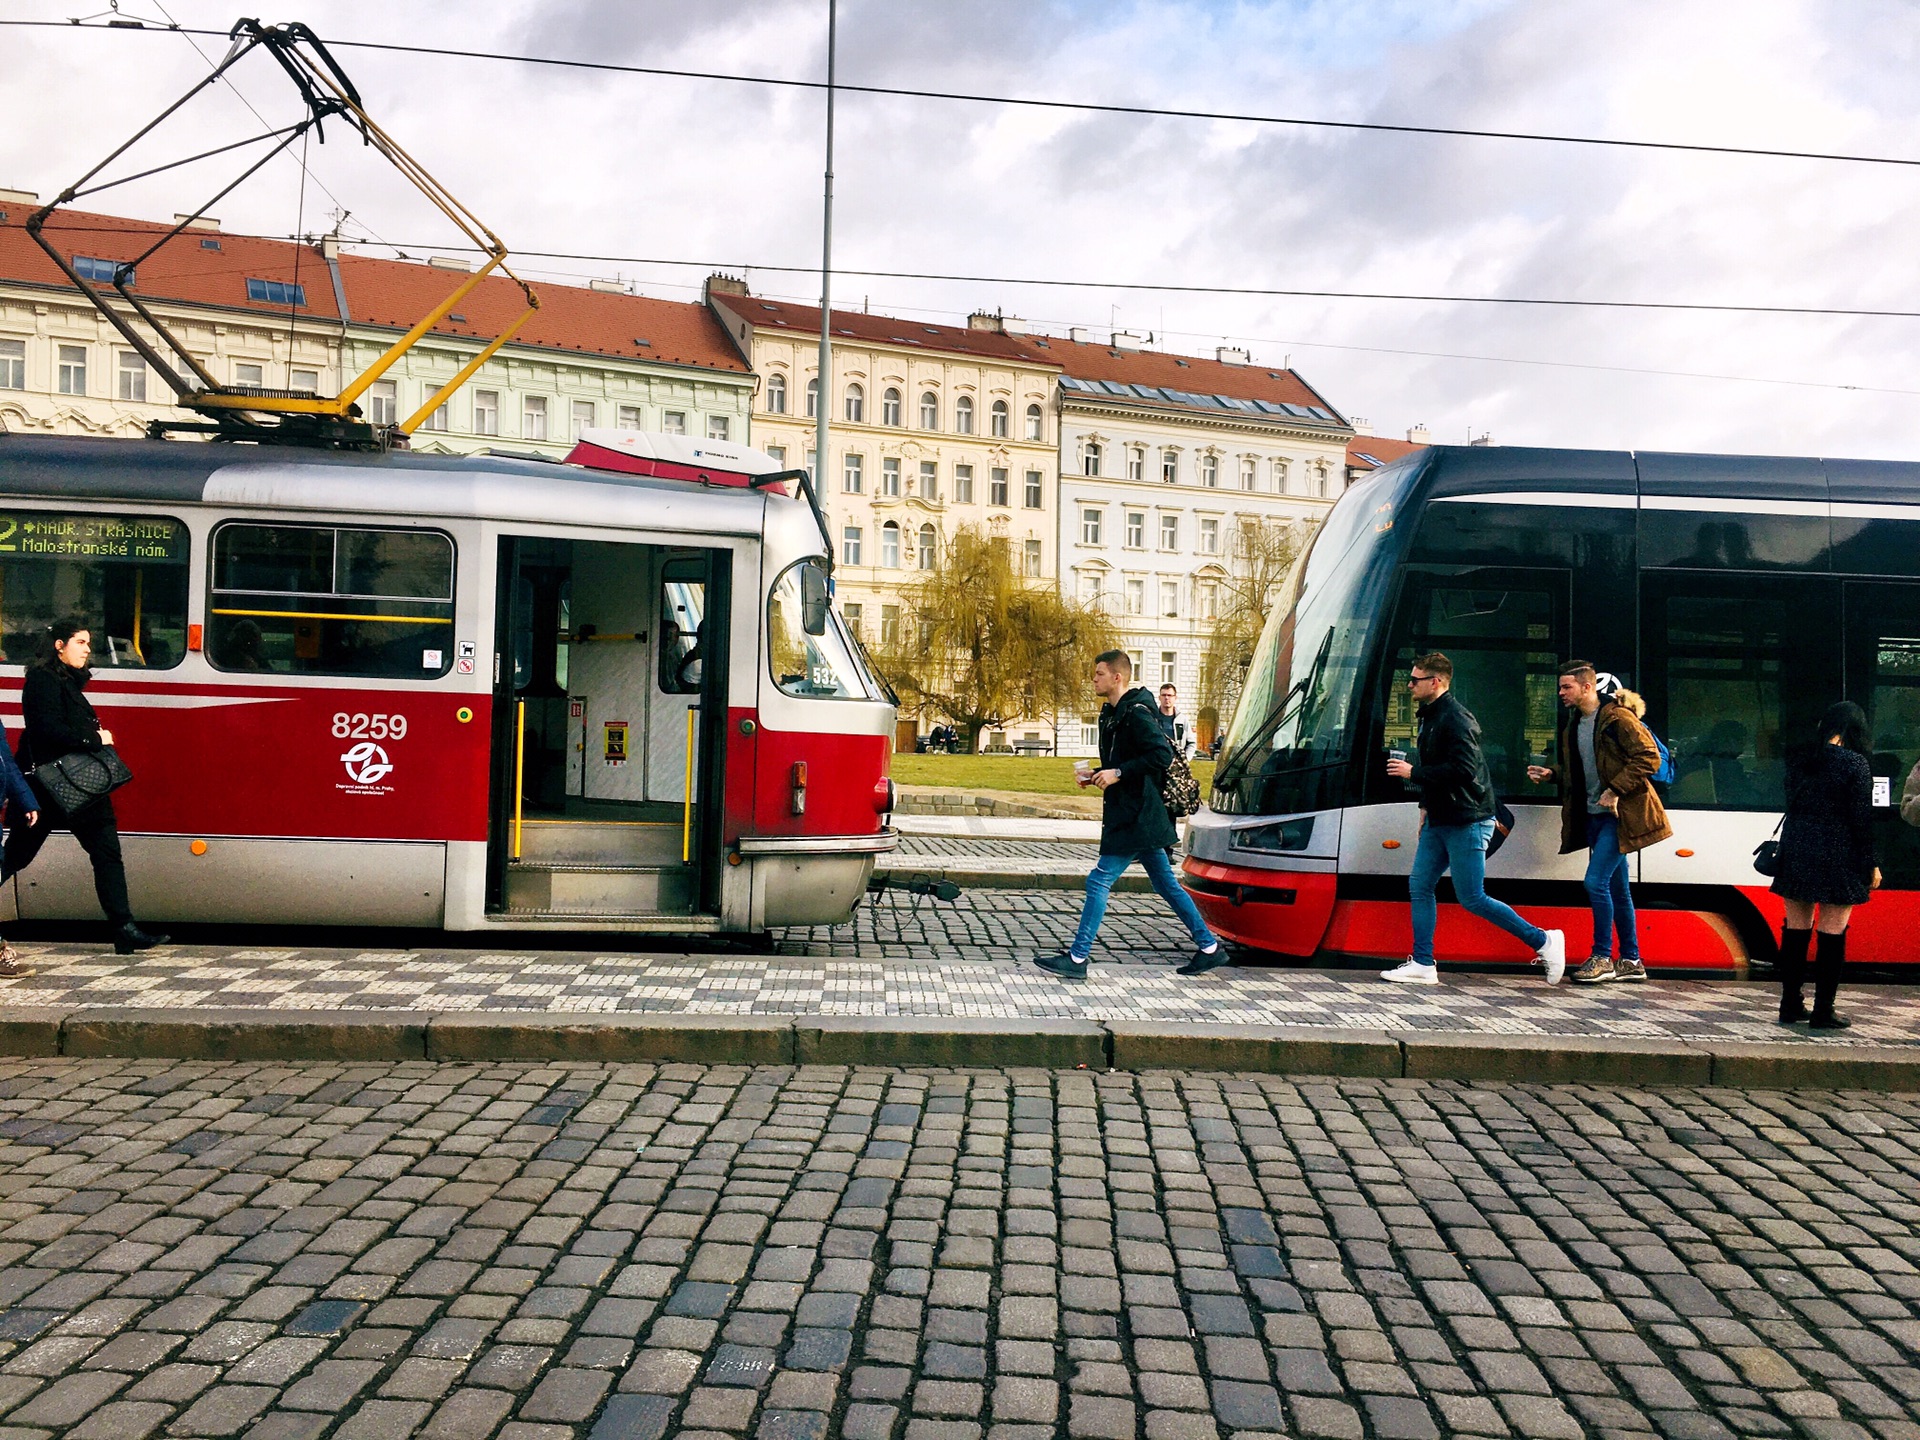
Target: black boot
(1793, 970)
(1830, 955)
(130, 937)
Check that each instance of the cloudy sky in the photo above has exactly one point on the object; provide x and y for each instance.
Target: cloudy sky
(717, 172)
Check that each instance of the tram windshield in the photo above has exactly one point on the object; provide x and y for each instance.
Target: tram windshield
(818, 666)
(1292, 733)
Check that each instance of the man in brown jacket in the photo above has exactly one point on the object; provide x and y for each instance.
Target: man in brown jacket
(1607, 808)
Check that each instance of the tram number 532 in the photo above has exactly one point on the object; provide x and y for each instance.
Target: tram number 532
(369, 727)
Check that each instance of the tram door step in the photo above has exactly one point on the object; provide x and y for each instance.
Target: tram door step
(600, 889)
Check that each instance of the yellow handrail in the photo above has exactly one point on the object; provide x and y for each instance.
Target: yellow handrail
(519, 768)
(686, 816)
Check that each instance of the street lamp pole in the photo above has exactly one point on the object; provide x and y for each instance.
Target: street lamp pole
(823, 395)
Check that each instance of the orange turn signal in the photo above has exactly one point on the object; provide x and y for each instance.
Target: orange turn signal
(1684, 854)
(1389, 844)
(198, 847)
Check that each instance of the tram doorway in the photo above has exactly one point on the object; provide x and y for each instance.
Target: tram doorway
(611, 670)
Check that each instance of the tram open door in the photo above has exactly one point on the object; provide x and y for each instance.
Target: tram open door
(609, 724)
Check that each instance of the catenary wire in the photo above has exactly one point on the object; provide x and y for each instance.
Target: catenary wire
(1031, 102)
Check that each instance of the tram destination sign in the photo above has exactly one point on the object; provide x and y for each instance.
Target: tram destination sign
(103, 539)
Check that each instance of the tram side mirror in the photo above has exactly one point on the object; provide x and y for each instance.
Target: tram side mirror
(813, 598)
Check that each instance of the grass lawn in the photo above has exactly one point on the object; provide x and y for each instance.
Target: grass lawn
(1018, 774)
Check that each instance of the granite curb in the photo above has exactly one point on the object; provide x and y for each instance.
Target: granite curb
(949, 1041)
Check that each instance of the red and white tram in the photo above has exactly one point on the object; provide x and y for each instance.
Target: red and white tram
(464, 692)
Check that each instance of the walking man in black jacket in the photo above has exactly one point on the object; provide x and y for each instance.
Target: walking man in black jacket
(1456, 822)
(1134, 824)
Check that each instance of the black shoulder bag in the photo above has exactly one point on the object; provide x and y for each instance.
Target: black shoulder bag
(82, 778)
(1766, 855)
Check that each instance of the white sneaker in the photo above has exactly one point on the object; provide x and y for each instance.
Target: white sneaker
(1553, 955)
(1413, 973)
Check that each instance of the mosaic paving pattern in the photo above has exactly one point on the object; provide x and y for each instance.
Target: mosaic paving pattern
(721, 984)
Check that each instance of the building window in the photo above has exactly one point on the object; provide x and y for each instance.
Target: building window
(890, 406)
(719, 427)
(963, 484)
(853, 615)
(1089, 587)
(13, 364)
(813, 397)
(627, 417)
(1090, 458)
(1136, 463)
(1170, 466)
(304, 382)
(132, 376)
(889, 624)
(850, 545)
(73, 369)
(276, 292)
(533, 418)
(963, 415)
(1000, 417)
(929, 411)
(929, 480)
(777, 454)
(1210, 471)
(776, 394)
(383, 403)
(890, 545)
(582, 417)
(856, 404)
(997, 486)
(1035, 423)
(1136, 596)
(1249, 474)
(1206, 596)
(1169, 532)
(1136, 529)
(812, 455)
(1209, 537)
(101, 272)
(890, 478)
(486, 412)
(1032, 552)
(853, 479)
(1036, 492)
(252, 375)
(1170, 599)
(438, 419)
(674, 422)
(1089, 527)
(929, 548)
(1320, 480)
(1279, 477)
(1089, 730)
(1169, 667)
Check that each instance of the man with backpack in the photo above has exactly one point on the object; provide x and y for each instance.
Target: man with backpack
(1135, 757)
(1608, 807)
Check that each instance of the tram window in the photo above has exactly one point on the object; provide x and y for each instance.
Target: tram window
(322, 600)
(1724, 681)
(819, 667)
(683, 611)
(124, 575)
(1506, 644)
(1883, 675)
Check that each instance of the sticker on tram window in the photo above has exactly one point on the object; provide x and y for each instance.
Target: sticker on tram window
(104, 539)
(362, 726)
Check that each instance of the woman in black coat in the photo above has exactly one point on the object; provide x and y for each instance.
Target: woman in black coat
(60, 721)
(1826, 860)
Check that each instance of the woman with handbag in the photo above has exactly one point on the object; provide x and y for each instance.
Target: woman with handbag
(1824, 860)
(60, 723)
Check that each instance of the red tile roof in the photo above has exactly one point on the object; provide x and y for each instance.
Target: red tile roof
(1370, 452)
(1189, 373)
(394, 293)
(883, 330)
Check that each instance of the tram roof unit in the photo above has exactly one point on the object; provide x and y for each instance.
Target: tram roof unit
(395, 484)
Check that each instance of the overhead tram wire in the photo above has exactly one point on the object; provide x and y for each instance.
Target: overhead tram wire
(1030, 102)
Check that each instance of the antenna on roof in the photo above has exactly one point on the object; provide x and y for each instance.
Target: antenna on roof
(253, 412)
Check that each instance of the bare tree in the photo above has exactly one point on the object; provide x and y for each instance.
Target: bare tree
(983, 645)
(1260, 556)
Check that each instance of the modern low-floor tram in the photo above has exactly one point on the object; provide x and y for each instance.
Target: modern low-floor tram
(459, 692)
(1739, 595)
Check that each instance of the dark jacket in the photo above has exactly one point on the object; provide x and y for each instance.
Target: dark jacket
(1133, 817)
(1628, 758)
(1826, 840)
(59, 720)
(1449, 770)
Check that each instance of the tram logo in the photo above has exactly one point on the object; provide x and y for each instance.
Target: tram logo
(367, 764)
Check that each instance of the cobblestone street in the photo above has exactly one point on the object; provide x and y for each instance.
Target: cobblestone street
(538, 1252)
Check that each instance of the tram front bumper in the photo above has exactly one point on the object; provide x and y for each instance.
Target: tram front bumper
(811, 879)
(1283, 911)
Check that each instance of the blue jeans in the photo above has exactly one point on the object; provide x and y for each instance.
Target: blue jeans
(1160, 875)
(1462, 849)
(1607, 889)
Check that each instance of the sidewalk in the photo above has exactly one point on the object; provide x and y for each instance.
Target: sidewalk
(200, 1000)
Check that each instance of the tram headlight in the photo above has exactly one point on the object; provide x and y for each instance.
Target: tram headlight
(1282, 835)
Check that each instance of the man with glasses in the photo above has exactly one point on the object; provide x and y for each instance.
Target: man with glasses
(1457, 805)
